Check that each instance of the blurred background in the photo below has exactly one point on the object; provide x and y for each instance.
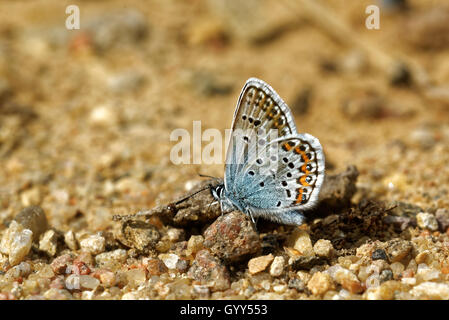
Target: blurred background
(86, 115)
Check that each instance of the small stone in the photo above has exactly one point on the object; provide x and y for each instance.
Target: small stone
(140, 235)
(426, 273)
(59, 264)
(106, 277)
(379, 254)
(87, 282)
(297, 284)
(323, 248)
(70, 240)
(30, 197)
(170, 260)
(306, 262)
(103, 116)
(442, 216)
(57, 294)
(209, 271)
(175, 235)
(94, 244)
(135, 277)
(346, 278)
(398, 249)
(33, 218)
(300, 240)
(194, 244)
(431, 290)
(397, 269)
(49, 243)
(277, 266)
(72, 282)
(386, 275)
(422, 257)
(232, 237)
(156, 267)
(320, 283)
(16, 242)
(427, 221)
(111, 259)
(202, 292)
(81, 264)
(182, 265)
(259, 264)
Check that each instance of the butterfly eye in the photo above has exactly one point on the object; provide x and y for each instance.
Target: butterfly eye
(259, 161)
(251, 173)
(274, 158)
(257, 122)
(309, 179)
(261, 142)
(284, 183)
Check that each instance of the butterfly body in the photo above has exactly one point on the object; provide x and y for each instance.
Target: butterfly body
(271, 171)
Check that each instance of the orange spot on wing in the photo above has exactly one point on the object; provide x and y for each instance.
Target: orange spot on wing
(299, 197)
(303, 181)
(287, 147)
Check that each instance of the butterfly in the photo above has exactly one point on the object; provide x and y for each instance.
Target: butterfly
(271, 171)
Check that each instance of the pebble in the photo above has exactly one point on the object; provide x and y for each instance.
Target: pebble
(277, 266)
(34, 219)
(135, 277)
(259, 264)
(194, 244)
(30, 197)
(140, 235)
(209, 271)
(386, 275)
(300, 240)
(94, 244)
(426, 273)
(16, 242)
(323, 248)
(379, 254)
(175, 235)
(111, 259)
(398, 249)
(397, 268)
(59, 264)
(169, 259)
(427, 221)
(423, 137)
(49, 243)
(346, 278)
(431, 290)
(57, 294)
(156, 267)
(232, 237)
(320, 283)
(106, 277)
(104, 116)
(87, 282)
(442, 216)
(297, 284)
(81, 263)
(70, 240)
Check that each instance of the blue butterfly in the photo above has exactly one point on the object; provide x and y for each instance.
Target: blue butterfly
(271, 171)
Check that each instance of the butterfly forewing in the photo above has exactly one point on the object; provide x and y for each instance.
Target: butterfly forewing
(260, 116)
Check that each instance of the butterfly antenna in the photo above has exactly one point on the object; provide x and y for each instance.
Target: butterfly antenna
(207, 176)
(192, 194)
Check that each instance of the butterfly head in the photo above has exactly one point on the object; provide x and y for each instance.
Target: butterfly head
(219, 193)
